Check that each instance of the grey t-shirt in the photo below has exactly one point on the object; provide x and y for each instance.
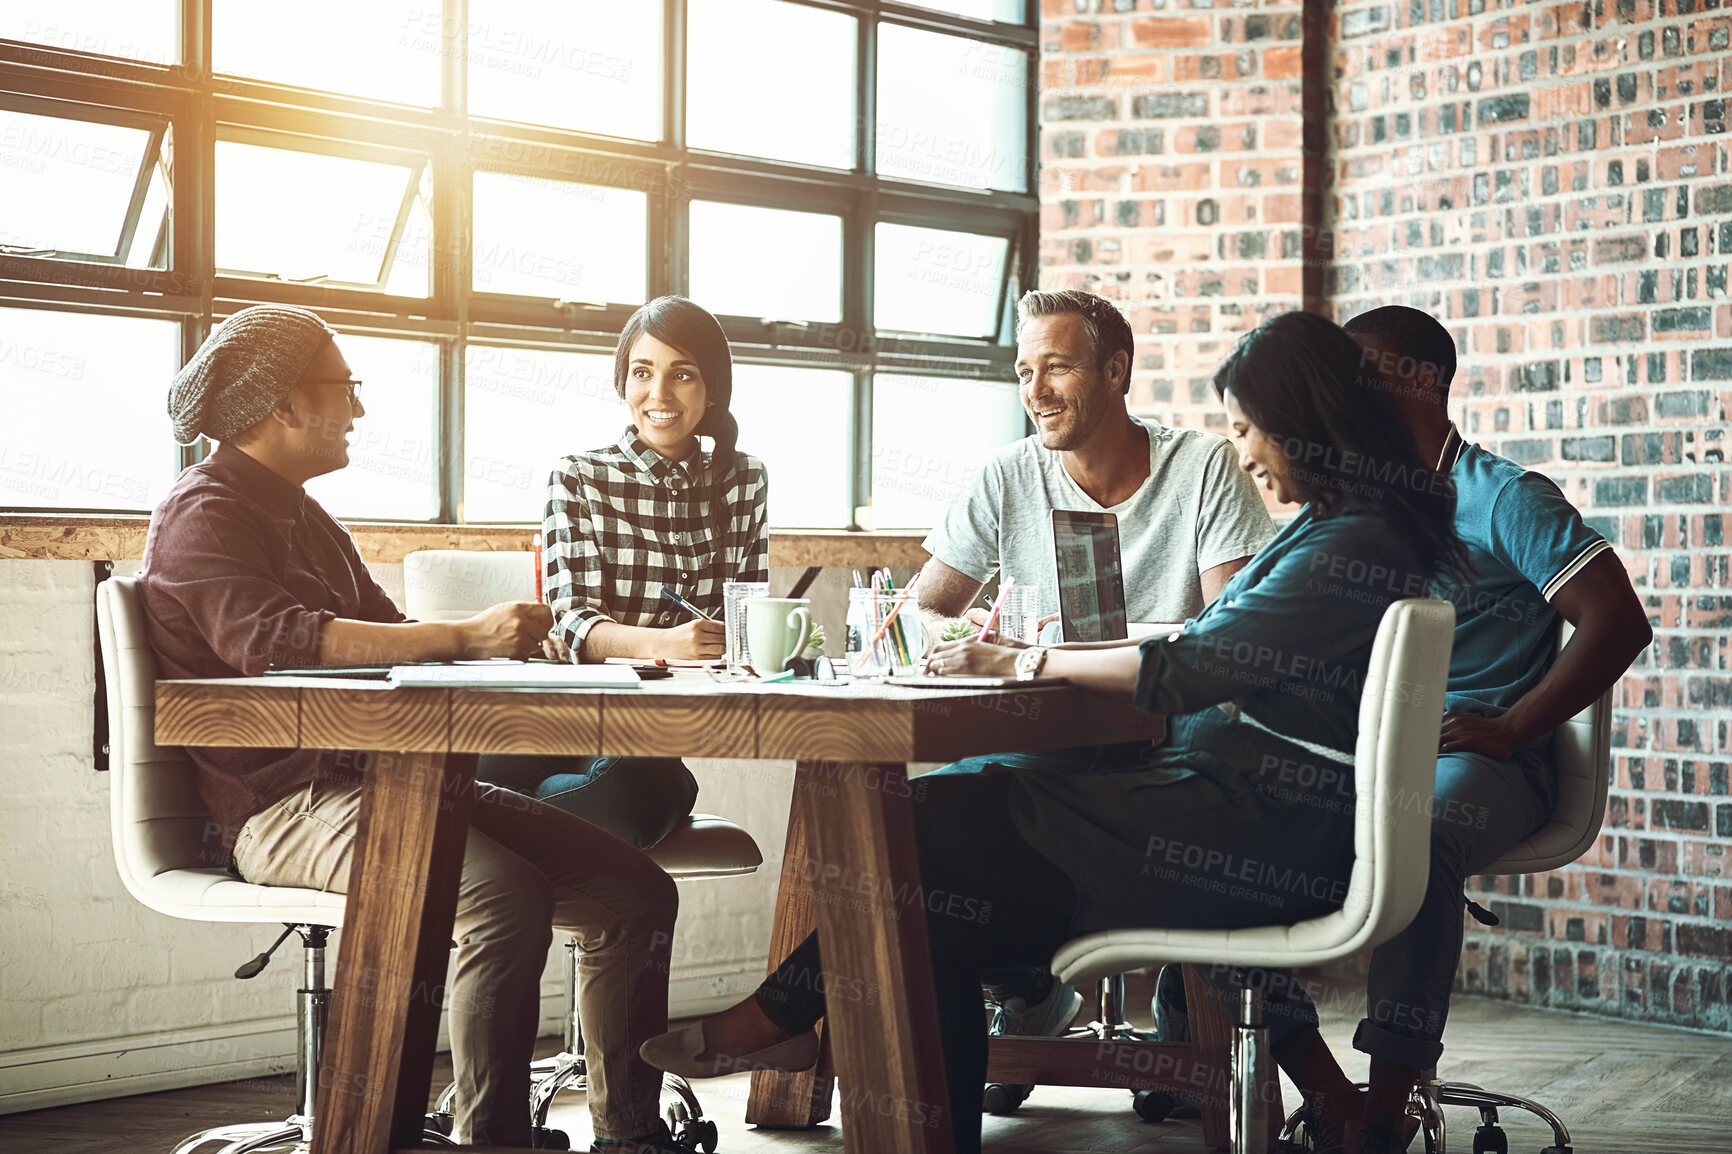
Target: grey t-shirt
(1196, 510)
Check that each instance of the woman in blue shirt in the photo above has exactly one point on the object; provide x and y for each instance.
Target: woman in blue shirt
(1244, 816)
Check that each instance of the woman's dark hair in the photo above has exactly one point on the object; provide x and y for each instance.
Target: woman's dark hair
(694, 331)
(1298, 379)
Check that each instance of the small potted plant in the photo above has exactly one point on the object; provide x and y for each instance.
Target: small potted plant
(802, 663)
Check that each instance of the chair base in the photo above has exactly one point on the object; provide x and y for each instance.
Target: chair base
(1489, 1138)
(1429, 1098)
(291, 1134)
(241, 1139)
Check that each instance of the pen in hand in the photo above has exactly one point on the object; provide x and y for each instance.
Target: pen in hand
(686, 605)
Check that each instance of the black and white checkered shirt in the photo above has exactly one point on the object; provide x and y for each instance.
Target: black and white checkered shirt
(623, 521)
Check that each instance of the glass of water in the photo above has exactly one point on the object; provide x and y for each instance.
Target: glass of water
(735, 594)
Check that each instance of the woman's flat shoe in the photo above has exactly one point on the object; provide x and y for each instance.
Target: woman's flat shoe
(680, 1052)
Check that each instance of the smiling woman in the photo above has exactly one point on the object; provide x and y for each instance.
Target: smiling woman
(651, 513)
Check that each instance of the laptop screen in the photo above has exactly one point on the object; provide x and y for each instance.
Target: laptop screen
(1091, 588)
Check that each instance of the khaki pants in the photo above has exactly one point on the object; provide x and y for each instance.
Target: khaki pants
(527, 869)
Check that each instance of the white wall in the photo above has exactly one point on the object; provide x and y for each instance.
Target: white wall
(100, 997)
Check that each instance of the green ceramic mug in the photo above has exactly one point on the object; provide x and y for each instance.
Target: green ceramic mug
(776, 629)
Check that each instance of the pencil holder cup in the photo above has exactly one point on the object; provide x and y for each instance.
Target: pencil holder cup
(885, 633)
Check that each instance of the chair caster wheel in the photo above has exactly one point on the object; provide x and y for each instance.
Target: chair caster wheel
(439, 1122)
(546, 1138)
(1152, 1105)
(699, 1134)
(1004, 1098)
(1490, 1140)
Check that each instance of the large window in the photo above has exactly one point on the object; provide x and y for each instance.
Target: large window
(477, 195)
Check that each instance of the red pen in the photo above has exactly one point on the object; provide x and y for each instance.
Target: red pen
(992, 618)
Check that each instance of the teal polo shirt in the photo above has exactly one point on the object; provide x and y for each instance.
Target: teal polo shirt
(1525, 541)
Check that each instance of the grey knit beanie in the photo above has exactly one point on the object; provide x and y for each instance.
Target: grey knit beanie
(243, 371)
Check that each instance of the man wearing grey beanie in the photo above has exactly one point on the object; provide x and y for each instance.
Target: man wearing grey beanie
(244, 572)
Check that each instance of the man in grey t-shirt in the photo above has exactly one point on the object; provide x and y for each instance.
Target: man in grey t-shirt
(1188, 519)
(1188, 516)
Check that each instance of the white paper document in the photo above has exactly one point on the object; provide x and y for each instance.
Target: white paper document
(513, 675)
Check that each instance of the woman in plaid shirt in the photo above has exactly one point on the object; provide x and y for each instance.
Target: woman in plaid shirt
(651, 509)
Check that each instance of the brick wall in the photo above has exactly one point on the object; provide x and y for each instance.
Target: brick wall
(1553, 181)
(1170, 178)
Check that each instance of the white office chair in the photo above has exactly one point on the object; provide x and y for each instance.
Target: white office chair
(168, 859)
(1395, 763)
(1581, 748)
(448, 584)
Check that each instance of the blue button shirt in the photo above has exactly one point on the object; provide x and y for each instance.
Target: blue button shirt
(1525, 541)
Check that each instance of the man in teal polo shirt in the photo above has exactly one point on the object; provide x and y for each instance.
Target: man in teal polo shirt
(1536, 564)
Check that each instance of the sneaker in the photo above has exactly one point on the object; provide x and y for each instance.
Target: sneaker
(1047, 1018)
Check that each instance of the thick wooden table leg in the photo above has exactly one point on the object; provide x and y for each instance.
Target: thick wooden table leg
(794, 1100)
(385, 1001)
(871, 915)
(1211, 1030)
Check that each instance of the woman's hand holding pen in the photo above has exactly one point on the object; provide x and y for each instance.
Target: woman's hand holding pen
(972, 659)
(696, 640)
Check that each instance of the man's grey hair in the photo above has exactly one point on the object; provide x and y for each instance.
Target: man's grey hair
(1107, 329)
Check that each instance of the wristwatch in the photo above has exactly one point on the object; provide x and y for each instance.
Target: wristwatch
(1030, 662)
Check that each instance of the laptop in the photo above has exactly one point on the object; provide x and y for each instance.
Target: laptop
(1091, 586)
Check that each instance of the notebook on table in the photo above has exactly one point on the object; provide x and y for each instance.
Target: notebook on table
(513, 675)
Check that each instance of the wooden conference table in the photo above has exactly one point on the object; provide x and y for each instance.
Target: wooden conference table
(850, 821)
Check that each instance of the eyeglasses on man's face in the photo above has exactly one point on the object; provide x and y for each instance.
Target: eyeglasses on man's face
(353, 385)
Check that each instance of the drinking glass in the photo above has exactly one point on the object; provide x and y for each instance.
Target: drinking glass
(734, 596)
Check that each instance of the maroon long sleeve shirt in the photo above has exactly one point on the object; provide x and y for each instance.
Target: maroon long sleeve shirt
(241, 571)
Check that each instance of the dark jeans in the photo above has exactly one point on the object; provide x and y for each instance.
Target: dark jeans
(1021, 906)
(637, 799)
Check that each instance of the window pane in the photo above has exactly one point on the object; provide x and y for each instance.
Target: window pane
(524, 409)
(393, 453)
(766, 262)
(268, 225)
(553, 238)
(382, 49)
(797, 422)
(593, 65)
(951, 110)
(771, 79)
(1005, 11)
(146, 30)
(930, 435)
(933, 281)
(67, 184)
(85, 399)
